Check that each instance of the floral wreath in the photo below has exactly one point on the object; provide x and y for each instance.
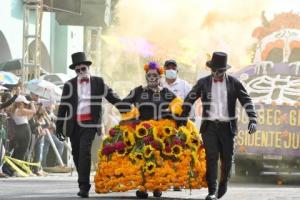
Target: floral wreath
(154, 65)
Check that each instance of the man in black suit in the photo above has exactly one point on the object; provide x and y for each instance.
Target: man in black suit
(80, 107)
(219, 93)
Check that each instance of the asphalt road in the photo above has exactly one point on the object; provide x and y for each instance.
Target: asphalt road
(64, 186)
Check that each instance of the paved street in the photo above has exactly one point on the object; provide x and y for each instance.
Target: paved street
(63, 186)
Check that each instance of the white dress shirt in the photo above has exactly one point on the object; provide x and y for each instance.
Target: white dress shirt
(84, 97)
(219, 107)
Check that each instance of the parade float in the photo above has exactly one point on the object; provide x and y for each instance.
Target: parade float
(273, 82)
(150, 156)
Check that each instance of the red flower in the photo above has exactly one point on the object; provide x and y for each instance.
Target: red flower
(112, 132)
(119, 146)
(134, 124)
(148, 139)
(108, 149)
(168, 149)
(154, 144)
(177, 141)
(146, 125)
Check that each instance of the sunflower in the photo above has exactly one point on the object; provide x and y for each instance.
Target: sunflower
(126, 132)
(194, 142)
(138, 156)
(168, 131)
(157, 135)
(141, 131)
(150, 167)
(148, 151)
(122, 152)
(129, 140)
(177, 150)
(132, 157)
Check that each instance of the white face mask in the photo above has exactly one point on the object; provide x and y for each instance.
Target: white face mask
(171, 74)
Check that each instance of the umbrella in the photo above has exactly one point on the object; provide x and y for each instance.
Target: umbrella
(44, 89)
(3, 88)
(7, 78)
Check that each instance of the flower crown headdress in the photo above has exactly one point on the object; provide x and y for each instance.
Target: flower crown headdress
(154, 65)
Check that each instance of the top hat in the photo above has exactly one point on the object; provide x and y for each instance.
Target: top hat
(218, 61)
(79, 58)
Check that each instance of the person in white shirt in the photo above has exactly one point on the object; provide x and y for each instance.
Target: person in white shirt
(81, 109)
(178, 86)
(219, 93)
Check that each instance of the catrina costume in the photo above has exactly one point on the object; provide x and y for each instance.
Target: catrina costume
(147, 151)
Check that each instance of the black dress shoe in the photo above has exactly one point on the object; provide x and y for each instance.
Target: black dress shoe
(222, 190)
(83, 194)
(211, 197)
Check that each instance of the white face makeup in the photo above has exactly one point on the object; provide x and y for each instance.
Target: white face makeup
(218, 73)
(82, 70)
(153, 78)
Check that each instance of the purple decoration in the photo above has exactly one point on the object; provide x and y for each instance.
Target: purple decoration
(153, 65)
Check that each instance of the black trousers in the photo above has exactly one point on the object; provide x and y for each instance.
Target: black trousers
(81, 142)
(218, 143)
(22, 141)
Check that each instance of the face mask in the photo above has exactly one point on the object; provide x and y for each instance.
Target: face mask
(171, 74)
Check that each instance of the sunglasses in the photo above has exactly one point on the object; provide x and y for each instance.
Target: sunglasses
(219, 70)
(82, 69)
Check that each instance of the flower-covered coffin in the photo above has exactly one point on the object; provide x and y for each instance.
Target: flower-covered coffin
(151, 155)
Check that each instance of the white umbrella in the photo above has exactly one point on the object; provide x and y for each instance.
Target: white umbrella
(3, 88)
(44, 89)
(8, 78)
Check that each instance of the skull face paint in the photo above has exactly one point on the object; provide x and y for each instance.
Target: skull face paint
(218, 73)
(82, 70)
(153, 78)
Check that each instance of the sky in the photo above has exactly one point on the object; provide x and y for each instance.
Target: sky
(283, 5)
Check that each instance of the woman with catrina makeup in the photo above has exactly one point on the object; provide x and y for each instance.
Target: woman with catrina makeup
(151, 100)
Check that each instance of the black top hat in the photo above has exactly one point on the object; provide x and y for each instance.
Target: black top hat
(79, 58)
(218, 61)
(170, 62)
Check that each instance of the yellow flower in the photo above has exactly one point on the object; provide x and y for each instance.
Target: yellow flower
(126, 132)
(194, 142)
(129, 139)
(139, 156)
(186, 132)
(176, 106)
(148, 151)
(168, 131)
(141, 131)
(133, 114)
(177, 150)
(150, 167)
(121, 153)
